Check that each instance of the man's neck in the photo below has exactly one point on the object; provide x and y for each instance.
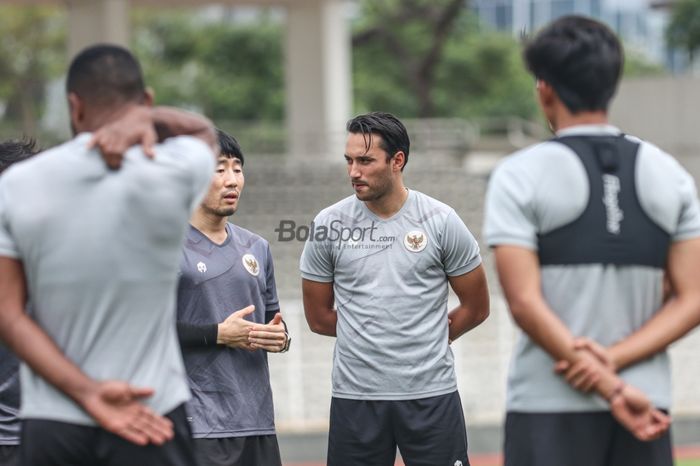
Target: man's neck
(211, 226)
(103, 117)
(567, 120)
(389, 204)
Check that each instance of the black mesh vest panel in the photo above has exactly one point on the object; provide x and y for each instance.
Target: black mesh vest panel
(613, 229)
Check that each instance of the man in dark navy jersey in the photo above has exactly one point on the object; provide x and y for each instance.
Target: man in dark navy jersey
(226, 267)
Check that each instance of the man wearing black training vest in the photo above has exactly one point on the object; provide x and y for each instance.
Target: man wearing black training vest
(583, 227)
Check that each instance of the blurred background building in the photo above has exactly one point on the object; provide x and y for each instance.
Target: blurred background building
(640, 23)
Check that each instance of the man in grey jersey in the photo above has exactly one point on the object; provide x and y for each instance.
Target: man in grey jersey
(375, 275)
(104, 381)
(582, 228)
(227, 267)
(11, 152)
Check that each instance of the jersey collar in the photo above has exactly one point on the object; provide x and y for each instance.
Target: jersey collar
(585, 130)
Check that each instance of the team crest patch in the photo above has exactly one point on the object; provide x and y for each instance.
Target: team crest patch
(251, 264)
(415, 241)
(201, 267)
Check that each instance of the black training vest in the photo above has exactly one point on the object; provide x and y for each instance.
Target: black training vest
(613, 229)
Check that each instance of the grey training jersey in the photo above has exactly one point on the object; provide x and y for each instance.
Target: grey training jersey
(100, 250)
(390, 282)
(231, 394)
(544, 187)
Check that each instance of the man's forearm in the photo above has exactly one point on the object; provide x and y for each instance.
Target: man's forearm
(170, 122)
(323, 322)
(29, 342)
(32, 345)
(678, 316)
(463, 320)
(474, 303)
(519, 272)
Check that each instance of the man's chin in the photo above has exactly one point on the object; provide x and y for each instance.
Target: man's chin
(226, 212)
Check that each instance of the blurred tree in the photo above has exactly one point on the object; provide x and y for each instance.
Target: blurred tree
(424, 58)
(228, 70)
(414, 33)
(636, 65)
(32, 52)
(683, 30)
(415, 58)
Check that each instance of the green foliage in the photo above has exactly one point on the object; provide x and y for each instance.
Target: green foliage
(637, 66)
(32, 52)
(226, 70)
(684, 27)
(410, 57)
(479, 73)
(483, 76)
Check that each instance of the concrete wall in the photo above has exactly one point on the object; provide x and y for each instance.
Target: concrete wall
(662, 110)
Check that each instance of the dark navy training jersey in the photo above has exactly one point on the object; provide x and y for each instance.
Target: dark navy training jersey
(231, 394)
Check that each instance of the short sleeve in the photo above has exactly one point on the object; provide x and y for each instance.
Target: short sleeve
(316, 263)
(689, 218)
(460, 250)
(509, 216)
(271, 301)
(8, 247)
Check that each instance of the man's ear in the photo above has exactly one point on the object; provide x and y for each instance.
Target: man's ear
(76, 108)
(546, 92)
(398, 160)
(149, 96)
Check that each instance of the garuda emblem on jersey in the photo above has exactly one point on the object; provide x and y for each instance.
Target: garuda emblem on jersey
(251, 264)
(415, 241)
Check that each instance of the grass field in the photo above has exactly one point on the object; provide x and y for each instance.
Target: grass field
(688, 463)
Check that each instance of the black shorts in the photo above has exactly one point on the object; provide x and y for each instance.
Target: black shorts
(256, 450)
(9, 455)
(53, 443)
(579, 439)
(427, 432)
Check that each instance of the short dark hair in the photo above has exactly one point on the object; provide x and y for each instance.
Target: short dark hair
(581, 58)
(229, 146)
(392, 131)
(106, 74)
(15, 151)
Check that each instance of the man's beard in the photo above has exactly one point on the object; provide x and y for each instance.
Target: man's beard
(221, 211)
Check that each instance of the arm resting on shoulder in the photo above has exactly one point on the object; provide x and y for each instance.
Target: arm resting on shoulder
(146, 126)
(318, 306)
(170, 121)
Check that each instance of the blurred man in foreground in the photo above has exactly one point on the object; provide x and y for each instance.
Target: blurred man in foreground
(582, 228)
(104, 381)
